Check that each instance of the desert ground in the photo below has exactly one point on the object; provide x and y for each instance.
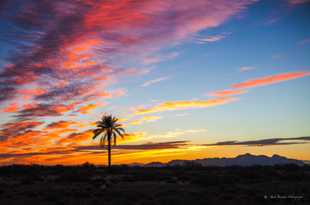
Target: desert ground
(89, 184)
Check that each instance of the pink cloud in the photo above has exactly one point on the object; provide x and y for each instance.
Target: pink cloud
(228, 92)
(272, 79)
(13, 107)
(294, 2)
(79, 37)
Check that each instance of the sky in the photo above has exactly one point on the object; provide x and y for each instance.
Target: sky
(187, 79)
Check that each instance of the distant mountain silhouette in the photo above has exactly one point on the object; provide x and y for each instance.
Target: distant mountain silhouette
(241, 160)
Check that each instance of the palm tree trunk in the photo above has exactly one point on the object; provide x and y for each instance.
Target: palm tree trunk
(109, 150)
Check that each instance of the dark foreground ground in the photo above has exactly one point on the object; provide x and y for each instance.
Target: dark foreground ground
(179, 185)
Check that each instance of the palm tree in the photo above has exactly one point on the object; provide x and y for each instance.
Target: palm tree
(108, 128)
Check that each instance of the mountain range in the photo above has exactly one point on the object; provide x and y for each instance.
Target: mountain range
(241, 160)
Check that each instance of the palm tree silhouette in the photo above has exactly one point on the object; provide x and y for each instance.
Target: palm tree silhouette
(108, 128)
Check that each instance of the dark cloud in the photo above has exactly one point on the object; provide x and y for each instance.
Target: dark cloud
(60, 124)
(44, 110)
(71, 91)
(30, 154)
(16, 128)
(265, 142)
(6, 92)
(147, 146)
(50, 24)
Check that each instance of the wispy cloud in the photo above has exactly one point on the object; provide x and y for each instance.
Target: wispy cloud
(147, 146)
(304, 41)
(62, 124)
(214, 38)
(272, 79)
(76, 138)
(295, 2)
(95, 148)
(155, 81)
(145, 119)
(149, 60)
(265, 142)
(184, 105)
(85, 109)
(228, 92)
(12, 129)
(246, 68)
(176, 133)
(241, 88)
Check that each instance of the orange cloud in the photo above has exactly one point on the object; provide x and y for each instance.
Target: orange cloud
(223, 93)
(26, 138)
(88, 108)
(60, 124)
(29, 93)
(145, 119)
(13, 107)
(183, 105)
(12, 129)
(80, 55)
(133, 136)
(76, 138)
(268, 80)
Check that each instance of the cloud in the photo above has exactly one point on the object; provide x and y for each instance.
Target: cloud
(159, 58)
(176, 133)
(75, 138)
(23, 139)
(60, 124)
(44, 110)
(265, 142)
(12, 129)
(304, 41)
(31, 154)
(272, 79)
(29, 93)
(214, 38)
(95, 148)
(70, 48)
(184, 105)
(240, 88)
(230, 92)
(221, 96)
(154, 81)
(13, 107)
(144, 119)
(133, 136)
(246, 68)
(295, 2)
(88, 108)
(146, 146)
